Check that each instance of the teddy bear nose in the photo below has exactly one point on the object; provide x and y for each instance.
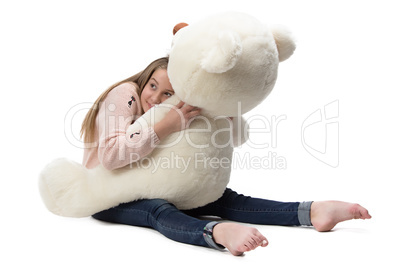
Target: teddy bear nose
(178, 27)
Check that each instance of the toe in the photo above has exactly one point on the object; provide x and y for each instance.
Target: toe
(252, 244)
(359, 212)
(365, 214)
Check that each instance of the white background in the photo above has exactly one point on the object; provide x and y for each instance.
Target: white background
(57, 54)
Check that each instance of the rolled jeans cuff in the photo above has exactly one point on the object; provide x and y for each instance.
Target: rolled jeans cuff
(304, 214)
(208, 236)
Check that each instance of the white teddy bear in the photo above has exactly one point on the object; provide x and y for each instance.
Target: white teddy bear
(226, 65)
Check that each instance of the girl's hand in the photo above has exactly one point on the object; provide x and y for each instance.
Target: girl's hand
(176, 119)
(180, 116)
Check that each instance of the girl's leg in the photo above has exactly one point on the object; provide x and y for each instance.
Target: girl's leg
(174, 224)
(163, 217)
(323, 215)
(240, 208)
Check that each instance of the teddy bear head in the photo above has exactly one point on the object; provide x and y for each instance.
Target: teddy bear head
(227, 63)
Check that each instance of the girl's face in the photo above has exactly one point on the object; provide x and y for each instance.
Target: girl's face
(157, 90)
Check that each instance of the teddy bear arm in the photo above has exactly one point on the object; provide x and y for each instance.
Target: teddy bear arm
(239, 131)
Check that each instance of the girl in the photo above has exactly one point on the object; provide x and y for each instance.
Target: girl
(104, 130)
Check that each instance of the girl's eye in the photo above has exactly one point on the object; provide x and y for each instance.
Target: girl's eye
(168, 94)
(153, 86)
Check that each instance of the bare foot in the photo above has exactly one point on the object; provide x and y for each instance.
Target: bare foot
(326, 214)
(238, 238)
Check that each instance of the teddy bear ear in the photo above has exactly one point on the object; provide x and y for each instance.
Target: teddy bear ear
(284, 41)
(224, 54)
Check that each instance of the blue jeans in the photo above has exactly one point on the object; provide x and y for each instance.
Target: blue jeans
(184, 226)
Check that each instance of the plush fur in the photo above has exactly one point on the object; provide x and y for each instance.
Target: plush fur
(225, 64)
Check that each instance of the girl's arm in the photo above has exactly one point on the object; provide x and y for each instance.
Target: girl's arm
(176, 120)
(119, 109)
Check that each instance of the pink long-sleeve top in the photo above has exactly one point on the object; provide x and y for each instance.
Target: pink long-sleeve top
(111, 147)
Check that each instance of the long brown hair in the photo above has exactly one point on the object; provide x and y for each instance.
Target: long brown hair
(140, 80)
